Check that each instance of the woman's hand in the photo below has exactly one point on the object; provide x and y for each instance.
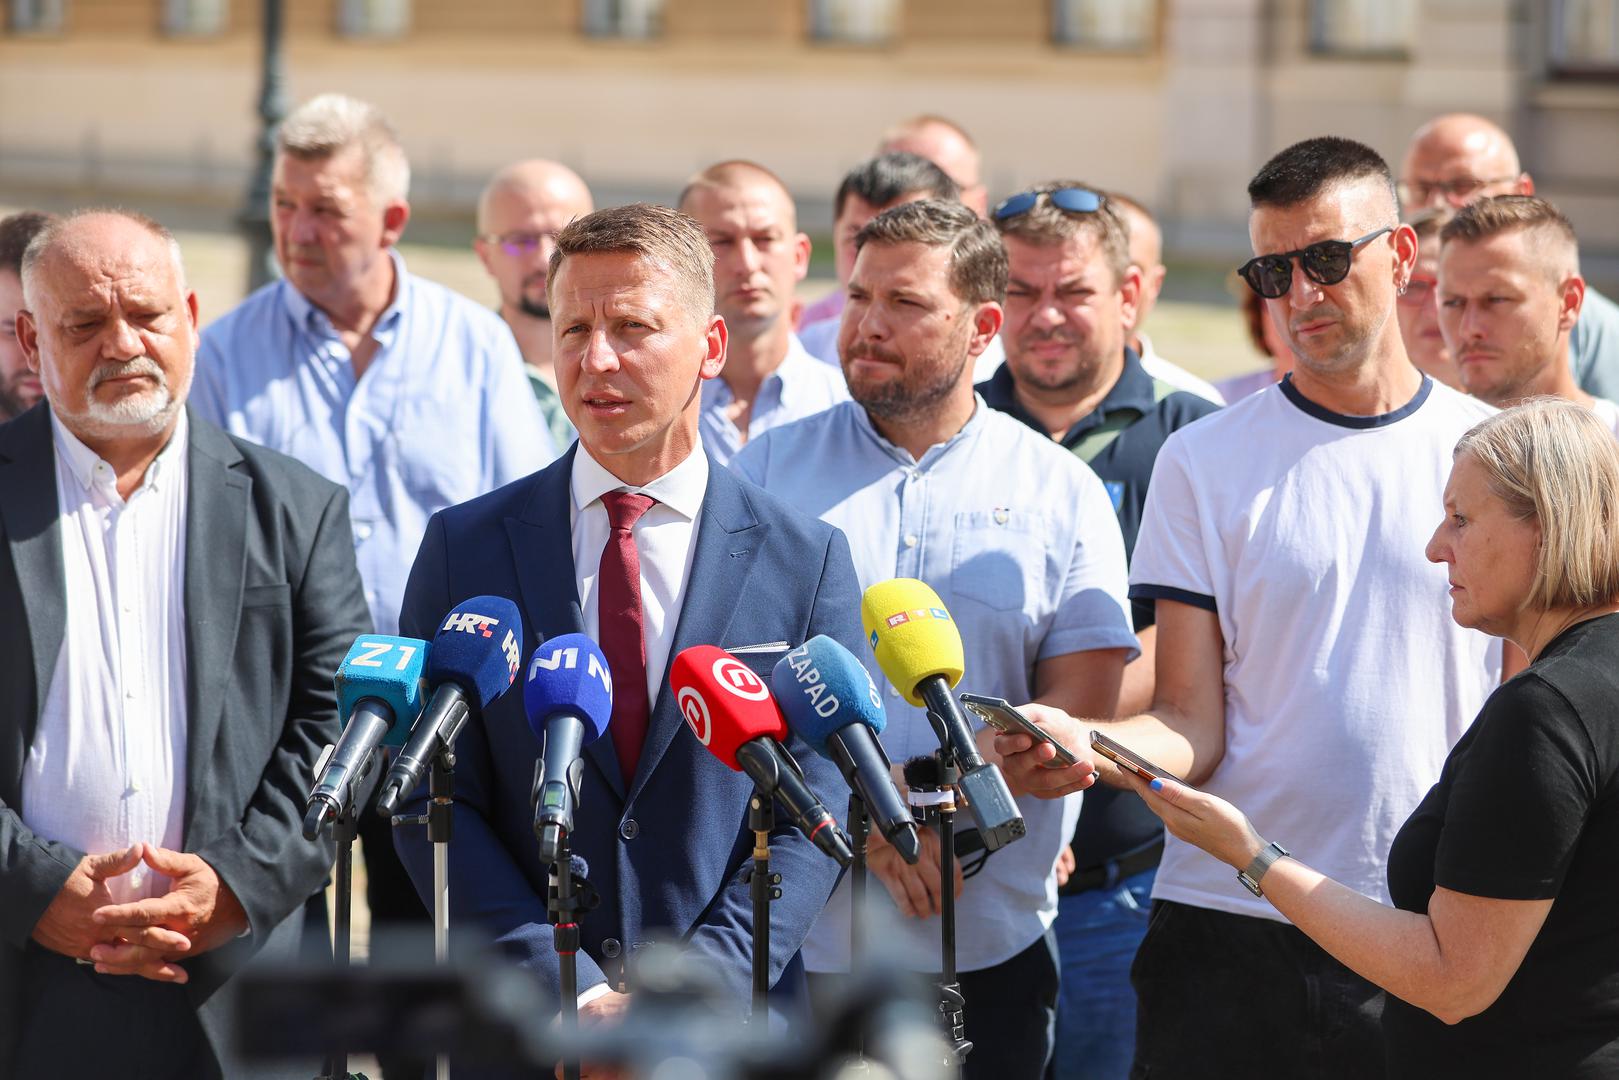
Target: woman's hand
(1201, 819)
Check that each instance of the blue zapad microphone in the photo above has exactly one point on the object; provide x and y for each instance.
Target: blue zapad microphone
(379, 694)
(569, 700)
(831, 702)
(473, 660)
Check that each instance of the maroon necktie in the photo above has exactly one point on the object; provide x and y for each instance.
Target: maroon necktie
(622, 625)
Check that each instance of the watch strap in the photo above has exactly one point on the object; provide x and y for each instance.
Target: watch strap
(1255, 871)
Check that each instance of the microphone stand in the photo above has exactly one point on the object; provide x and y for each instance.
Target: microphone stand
(766, 887)
(345, 828)
(952, 1003)
(439, 817)
(566, 898)
(859, 833)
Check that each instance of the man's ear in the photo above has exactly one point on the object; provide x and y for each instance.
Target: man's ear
(987, 320)
(716, 339)
(1568, 312)
(394, 218)
(28, 338)
(1130, 286)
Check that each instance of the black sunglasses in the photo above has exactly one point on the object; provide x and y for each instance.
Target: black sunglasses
(1074, 200)
(1325, 263)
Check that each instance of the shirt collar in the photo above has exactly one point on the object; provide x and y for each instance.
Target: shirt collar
(81, 461)
(934, 453)
(788, 374)
(681, 489)
(1134, 389)
(305, 314)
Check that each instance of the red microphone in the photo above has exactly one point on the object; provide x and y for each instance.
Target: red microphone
(731, 712)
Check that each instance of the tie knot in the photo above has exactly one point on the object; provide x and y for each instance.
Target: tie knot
(624, 508)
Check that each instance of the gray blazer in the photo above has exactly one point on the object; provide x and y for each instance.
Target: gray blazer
(273, 601)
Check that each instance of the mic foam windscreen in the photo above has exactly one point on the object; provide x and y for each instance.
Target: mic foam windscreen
(725, 704)
(388, 669)
(912, 634)
(922, 772)
(822, 688)
(478, 648)
(569, 674)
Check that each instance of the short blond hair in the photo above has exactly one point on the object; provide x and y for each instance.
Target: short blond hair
(657, 234)
(329, 124)
(1552, 461)
(1552, 232)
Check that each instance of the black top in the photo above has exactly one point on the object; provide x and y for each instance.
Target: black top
(1145, 411)
(1527, 808)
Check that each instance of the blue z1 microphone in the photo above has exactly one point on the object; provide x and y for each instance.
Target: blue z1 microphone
(831, 702)
(473, 660)
(569, 701)
(379, 694)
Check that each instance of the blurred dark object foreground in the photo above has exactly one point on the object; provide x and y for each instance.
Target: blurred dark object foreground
(483, 1010)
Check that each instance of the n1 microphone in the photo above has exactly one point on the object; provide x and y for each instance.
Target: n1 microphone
(473, 660)
(379, 690)
(832, 704)
(731, 712)
(919, 649)
(569, 700)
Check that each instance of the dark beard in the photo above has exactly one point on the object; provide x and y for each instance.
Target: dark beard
(534, 310)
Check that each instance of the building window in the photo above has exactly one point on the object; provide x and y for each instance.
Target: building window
(194, 18)
(857, 22)
(373, 18)
(35, 16)
(1362, 27)
(1121, 25)
(1584, 37)
(635, 19)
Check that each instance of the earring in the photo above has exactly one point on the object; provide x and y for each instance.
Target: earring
(1402, 288)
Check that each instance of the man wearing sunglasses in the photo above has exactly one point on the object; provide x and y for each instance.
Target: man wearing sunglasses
(519, 215)
(1072, 294)
(1458, 158)
(1307, 663)
(1509, 293)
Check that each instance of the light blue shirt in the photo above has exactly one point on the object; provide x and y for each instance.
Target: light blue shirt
(1019, 539)
(443, 412)
(1594, 346)
(800, 386)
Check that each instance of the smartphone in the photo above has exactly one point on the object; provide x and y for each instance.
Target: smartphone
(1000, 715)
(1127, 759)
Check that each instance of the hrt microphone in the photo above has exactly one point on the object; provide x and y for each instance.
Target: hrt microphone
(731, 712)
(919, 649)
(569, 700)
(473, 660)
(379, 690)
(832, 704)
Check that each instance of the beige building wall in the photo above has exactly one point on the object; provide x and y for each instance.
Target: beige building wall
(110, 104)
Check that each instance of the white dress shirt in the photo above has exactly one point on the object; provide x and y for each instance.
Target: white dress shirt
(108, 762)
(663, 537)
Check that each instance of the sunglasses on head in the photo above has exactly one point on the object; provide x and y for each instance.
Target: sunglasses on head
(1325, 263)
(1073, 200)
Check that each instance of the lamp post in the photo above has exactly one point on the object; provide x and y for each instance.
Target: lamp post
(255, 216)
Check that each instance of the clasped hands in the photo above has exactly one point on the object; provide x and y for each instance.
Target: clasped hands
(146, 937)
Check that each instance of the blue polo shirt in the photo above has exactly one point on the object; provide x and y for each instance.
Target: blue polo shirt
(1119, 439)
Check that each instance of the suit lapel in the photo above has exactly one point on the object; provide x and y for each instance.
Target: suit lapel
(728, 538)
(33, 530)
(542, 551)
(215, 562)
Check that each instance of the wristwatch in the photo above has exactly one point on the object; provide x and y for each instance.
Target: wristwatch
(1262, 862)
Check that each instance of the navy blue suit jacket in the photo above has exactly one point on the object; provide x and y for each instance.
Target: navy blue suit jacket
(668, 848)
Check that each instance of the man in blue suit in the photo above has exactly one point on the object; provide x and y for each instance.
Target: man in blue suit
(634, 538)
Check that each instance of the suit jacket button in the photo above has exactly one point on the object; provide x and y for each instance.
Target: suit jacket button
(611, 947)
(629, 828)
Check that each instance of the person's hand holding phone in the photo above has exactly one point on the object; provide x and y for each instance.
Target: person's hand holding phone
(1203, 820)
(1027, 762)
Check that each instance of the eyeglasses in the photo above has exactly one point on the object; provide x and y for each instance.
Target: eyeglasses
(517, 244)
(1417, 291)
(1325, 263)
(1457, 192)
(1073, 200)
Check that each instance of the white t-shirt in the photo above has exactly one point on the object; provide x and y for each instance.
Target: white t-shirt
(1346, 680)
(1607, 412)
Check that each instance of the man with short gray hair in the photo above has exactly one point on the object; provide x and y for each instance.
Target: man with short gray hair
(408, 394)
(1017, 537)
(179, 599)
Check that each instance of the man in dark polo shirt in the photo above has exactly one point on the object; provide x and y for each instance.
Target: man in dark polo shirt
(1071, 296)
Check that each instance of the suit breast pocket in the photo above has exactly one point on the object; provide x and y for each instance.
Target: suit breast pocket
(999, 558)
(437, 451)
